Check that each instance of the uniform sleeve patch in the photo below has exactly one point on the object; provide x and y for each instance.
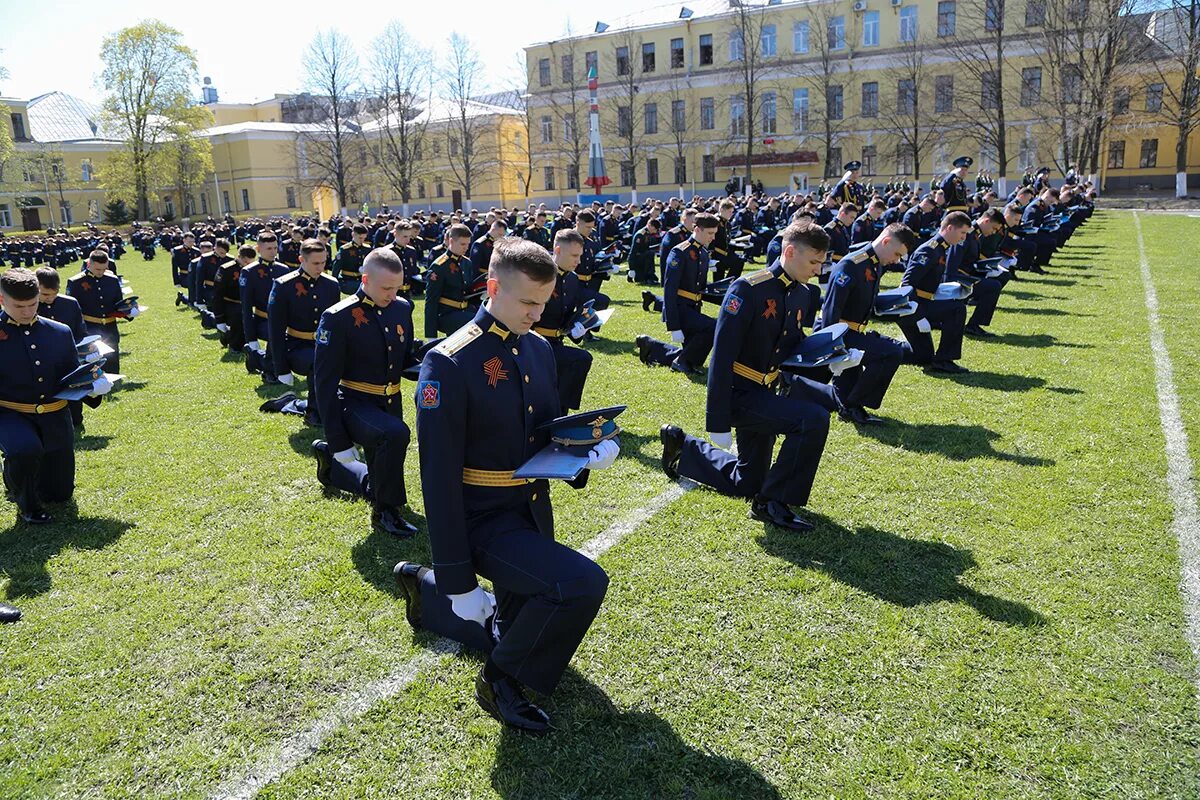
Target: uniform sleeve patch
(842, 280)
(429, 394)
(733, 304)
(322, 334)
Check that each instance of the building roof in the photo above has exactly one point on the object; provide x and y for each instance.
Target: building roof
(267, 127)
(660, 13)
(441, 110)
(61, 117)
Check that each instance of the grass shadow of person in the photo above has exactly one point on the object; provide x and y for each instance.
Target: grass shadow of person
(25, 550)
(91, 442)
(597, 750)
(955, 442)
(998, 381)
(900, 571)
(376, 555)
(1038, 340)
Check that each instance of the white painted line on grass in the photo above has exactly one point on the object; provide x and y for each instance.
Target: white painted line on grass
(1180, 485)
(296, 749)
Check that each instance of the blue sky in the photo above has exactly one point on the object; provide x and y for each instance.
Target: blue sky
(253, 50)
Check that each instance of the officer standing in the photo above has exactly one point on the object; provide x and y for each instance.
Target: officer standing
(99, 294)
(446, 306)
(483, 398)
(853, 284)
(758, 328)
(363, 343)
(557, 322)
(924, 272)
(848, 189)
(954, 188)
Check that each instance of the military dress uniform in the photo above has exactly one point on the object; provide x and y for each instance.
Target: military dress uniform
(956, 192)
(481, 255)
(294, 311)
(66, 310)
(181, 259)
(924, 272)
(538, 235)
(572, 363)
(203, 277)
(98, 299)
(361, 349)
(37, 437)
(589, 281)
(849, 191)
(727, 260)
(347, 266)
(853, 285)
(446, 306)
(256, 282)
(641, 256)
(226, 305)
(864, 229)
(960, 263)
(684, 281)
(839, 240)
(482, 395)
(289, 252)
(409, 263)
(760, 326)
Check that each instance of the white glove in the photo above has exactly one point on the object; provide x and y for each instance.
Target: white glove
(722, 440)
(346, 456)
(286, 379)
(101, 385)
(603, 454)
(133, 312)
(93, 357)
(201, 307)
(473, 606)
(258, 348)
(222, 327)
(677, 336)
(577, 330)
(923, 326)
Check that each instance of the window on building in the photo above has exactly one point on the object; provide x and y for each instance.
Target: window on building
(680, 170)
(548, 178)
(567, 65)
(454, 145)
(85, 169)
(708, 114)
(1035, 13)
(769, 112)
(64, 212)
(870, 29)
(1154, 97)
(1072, 84)
(677, 54)
(1149, 157)
(1031, 85)
(989, 91)
(800, 110)
(421, 190)
(648, 57)
(835, 32)
(800, 36)
(1076, 10)
(626, 173)
(708, 168)
(993, 15)
(946, 20)
(706, 50)
(737, 45)
(737, 115)
(203, 203)
(943, 94)
(245, 199)
(833, 103)
(547, 126)
(291, 197)
(623, 67)
(906, 96)
(18, 125)
(1121, 100)
(1027, 154)
(624, 121)
(678, 115)
(834, 167)
(439, 187)
(766, 40)
(870, 99)
(1116, 155)
(651, 117)
(572, 176)
(591, 61)
(543, 72)
(5, 216)
(904, 159)
(651, 171)
(169, 206)
(437, 148)
(568, 128)
(868, 159)
(908, 24)
(225, 207)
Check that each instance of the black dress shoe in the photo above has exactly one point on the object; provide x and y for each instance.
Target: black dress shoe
(858, 415)
(277, 405)
(672, 437)
(947, 367)
(643, 345)
(251, 358)
(9, 613)
(207, 322)
(779, 514)
(647, 300)
(270, 378)
(976, 330)
(324, 461)
(223, 337)
(408, 576)
(1036, 270)
(38, 516)
(388, 520)
(504, 700)
(179, 299)
(311, 419)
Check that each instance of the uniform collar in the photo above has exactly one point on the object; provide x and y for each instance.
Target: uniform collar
(4, 317)
(938, 241)
(490, 324)
(779, 272)
(363, 298)
(266, 263)
(870, 251)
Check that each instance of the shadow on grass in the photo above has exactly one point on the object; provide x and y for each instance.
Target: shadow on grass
(91, 443)
(897, 570)
(1037, 340)
(1053, 281)
(375, 556)
(598, 750)
(25, 550)
(1044, 312)
(955, 442)
(998, 381)
(1017, 294)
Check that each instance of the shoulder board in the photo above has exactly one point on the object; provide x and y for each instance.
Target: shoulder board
(440, 260)
(481, 239)
(684, 245)
(755, 278)
(860, 256)
(230, 263)
(343, 304)
(325, 276)
(459, 339)
(288, 276)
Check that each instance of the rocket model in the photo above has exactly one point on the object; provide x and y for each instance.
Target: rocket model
(597, 178)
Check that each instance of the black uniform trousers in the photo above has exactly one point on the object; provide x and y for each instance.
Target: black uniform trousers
(39, 457)
(727, 265)
(573, 365)
(590, 290)
(384, 438)
(698, 331)
(110, 334)
(257, 362)
(759, 416)
(948, 316)
(451, 319)
(546, 598)
(300, 362)
(986, 294)
(865, 385)
(233, 318)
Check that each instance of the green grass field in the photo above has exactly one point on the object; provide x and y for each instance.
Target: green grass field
(989, 607)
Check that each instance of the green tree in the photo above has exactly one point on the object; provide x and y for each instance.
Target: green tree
(149, 75)
(185, 158)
